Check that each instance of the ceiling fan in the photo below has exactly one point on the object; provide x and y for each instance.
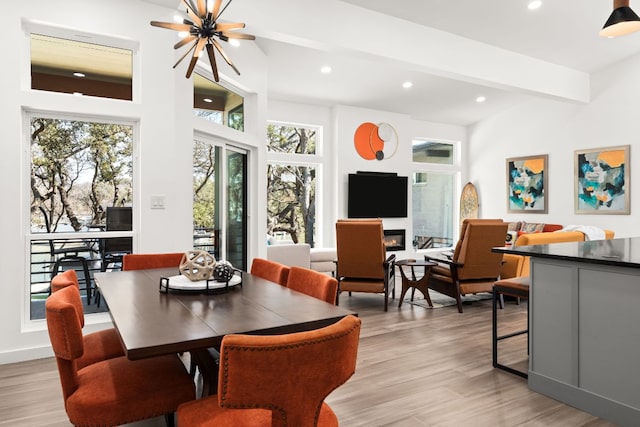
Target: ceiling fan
(201, 27)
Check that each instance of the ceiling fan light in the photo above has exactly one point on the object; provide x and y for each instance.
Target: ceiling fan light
(623, 20)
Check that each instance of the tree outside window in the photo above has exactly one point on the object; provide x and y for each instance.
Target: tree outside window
(78, 169)
(291, 184)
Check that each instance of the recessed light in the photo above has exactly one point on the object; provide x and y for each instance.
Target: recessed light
(407, 85)
(79, 74)
(234, 42)
(325, 70)
(208, 100)
(183, 34)
(481, 99)
(535, 4)
(77, 93)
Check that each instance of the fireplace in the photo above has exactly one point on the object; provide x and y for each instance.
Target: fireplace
(394, 240)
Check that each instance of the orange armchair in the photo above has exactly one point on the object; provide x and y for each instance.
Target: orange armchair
(98, 346)
(363, 265)
(278, 380)
(473, 267)
(270, 270)
(313, 283)
(145, 261)
(114, 391)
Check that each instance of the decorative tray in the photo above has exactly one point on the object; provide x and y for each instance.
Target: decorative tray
(182, 283)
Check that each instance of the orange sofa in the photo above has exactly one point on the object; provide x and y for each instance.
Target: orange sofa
(518, 265)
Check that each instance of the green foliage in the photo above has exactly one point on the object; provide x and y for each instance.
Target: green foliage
(204, 185)
(78, 169)
(291, 189)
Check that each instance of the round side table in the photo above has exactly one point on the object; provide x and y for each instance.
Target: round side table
(414, 283)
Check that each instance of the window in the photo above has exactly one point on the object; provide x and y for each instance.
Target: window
(219, 201)
(434, 185)
(217, 104)
(70, 66)
(292, 174)
(81, 172)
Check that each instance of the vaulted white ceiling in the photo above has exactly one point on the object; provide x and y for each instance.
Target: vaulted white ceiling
(451, 50)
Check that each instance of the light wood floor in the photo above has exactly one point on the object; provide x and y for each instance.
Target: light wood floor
(416, 367)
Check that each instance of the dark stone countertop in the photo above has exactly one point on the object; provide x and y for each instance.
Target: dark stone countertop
(623, 252)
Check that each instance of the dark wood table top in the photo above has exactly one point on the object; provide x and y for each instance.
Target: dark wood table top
(151, 323)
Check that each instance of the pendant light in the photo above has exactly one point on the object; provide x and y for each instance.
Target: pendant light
(622, 21)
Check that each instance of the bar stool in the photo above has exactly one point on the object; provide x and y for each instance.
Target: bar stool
(517, 287)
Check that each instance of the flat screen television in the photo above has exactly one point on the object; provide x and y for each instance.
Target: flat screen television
(377, 195)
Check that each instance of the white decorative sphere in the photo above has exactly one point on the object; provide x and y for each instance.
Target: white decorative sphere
(197, 265)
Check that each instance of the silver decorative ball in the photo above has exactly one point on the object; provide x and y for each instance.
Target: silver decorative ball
(197, 265)
(223, 271)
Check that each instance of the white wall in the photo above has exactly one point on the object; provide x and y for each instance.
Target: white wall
(347, 120)
(162, 107)
(557, 129)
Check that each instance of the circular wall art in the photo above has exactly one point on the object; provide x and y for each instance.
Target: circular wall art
(376, 142)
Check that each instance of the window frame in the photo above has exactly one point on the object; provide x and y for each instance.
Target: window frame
(316, 161)
(29, 236)
(455, 170)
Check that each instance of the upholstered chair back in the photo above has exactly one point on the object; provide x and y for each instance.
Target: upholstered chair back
(146, 261)
(479, 262)
(65, 333)
(463, 230)
(313, 283)
(63, 280)
(290, 374)
(360, 248)
(270, 270)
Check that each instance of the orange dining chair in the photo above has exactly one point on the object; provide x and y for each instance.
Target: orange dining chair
(98, 346)
(270, 270)
(208, 361)
(313, 283)
(145, 261)
(115, 391)
(278, 380)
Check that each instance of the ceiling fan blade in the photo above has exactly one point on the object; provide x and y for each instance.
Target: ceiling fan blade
(212, 60)
(202, 8)
(224, 26)
(224, 55)
(238, 35)
(216, 8)
(184, 41)
(171, 26)
(185, 54)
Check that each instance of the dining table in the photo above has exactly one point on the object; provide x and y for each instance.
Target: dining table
(153, 321)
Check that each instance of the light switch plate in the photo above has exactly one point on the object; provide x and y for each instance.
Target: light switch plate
(157, 202)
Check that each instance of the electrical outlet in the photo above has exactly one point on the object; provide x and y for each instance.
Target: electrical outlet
(157, 202)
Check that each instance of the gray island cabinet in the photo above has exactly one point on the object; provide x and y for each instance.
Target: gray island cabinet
(584, 325)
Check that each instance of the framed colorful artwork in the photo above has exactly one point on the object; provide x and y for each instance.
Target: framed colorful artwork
(602, 181)
(527, 184)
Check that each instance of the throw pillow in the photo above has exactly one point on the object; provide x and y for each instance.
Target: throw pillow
(531, 227)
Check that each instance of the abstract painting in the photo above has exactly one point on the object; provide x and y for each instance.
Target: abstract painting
(527, 184)
(602, 180)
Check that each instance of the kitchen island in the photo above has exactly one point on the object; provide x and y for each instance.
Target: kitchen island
(584, 325)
